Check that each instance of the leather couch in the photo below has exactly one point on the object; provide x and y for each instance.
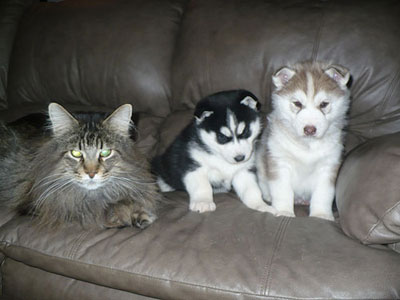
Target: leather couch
(163, 56)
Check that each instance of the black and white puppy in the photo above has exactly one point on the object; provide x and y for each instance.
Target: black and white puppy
(215, 152)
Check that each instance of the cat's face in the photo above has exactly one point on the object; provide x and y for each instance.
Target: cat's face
(92, 165)
(90, 147)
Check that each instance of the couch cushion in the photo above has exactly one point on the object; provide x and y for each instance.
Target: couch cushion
(95, 53)
(368, 191)
(20, 280)
(231, 253)
(228, 44)
(10, 14)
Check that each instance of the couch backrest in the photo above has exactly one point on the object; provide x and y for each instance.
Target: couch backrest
(98, 54)
(10, 14)
(163, 56)
(239, 44)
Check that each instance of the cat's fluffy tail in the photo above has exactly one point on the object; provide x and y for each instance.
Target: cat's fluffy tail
(13, 165)
(8, 140)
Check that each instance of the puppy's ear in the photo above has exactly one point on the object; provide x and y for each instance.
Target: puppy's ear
(204, 115)
(339, 74)
(251, 102)
(61, 120)
(282, 77)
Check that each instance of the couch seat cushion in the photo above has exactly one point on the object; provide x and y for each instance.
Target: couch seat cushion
(233, 252)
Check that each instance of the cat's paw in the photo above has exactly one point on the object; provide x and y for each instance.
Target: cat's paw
(202, 206)
(285, 213)
(114, 219)
(142, 219)
(126, 213)
(324, 216)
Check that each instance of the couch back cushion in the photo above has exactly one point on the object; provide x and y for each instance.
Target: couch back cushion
(10, 14)
(98, 54)
(239, 44)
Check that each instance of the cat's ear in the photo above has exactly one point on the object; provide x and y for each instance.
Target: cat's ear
(120, 119)
(61, 120)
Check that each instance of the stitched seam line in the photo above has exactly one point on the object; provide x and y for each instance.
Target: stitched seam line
(388, 93)
(268, 263)
(144, 276)
(75, 247)
(150, 277)
(1, 276)
(267, 267)
(379, 221)
(317, 40)
(178, 37)
(278, 245)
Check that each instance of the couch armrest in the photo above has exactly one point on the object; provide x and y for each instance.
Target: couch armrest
(368, 191)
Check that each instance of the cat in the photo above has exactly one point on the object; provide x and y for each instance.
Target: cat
(86, 171)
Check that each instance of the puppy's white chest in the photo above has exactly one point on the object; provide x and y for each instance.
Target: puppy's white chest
(307, 166)
(219, 172)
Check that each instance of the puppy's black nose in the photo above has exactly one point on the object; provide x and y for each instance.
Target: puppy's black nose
(239, 158)
(310, 130)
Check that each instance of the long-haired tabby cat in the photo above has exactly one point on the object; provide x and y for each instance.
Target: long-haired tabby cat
(86, 171)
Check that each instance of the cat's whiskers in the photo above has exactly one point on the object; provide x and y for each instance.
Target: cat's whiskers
(57, 186)
(40, 183)
(134, 180)
(131, 186)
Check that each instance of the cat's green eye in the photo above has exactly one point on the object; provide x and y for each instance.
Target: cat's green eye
(105, 152)
(76, 153)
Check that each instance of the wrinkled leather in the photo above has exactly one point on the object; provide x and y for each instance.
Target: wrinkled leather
(107, 53)
(368, 191)
(239, 44)
(233, 252)
(395, 247)
(22, 280)
(10, 14)
(163, 56)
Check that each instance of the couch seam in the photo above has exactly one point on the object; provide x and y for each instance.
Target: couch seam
(378, 222)
(268, 263)
(178, 37)
(76, 245)
(1, 276)
(388, 94)
(285, 223)
(317, 40)
(142, 275)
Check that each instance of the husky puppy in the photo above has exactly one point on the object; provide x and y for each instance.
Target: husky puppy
(215, 152)
(300, 150)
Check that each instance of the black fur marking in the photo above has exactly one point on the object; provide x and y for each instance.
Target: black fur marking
(175, 162)
(219, 102)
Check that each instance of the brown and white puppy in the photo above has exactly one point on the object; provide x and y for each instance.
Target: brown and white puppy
(301, 148)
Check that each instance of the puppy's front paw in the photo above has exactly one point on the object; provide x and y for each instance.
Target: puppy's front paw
(263, 207)
(324, 216)
(285, 213)
(202, 206)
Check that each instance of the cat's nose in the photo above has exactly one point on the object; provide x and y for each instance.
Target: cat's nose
(91, 174)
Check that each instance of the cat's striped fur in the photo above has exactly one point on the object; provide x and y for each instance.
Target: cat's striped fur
(40, 176)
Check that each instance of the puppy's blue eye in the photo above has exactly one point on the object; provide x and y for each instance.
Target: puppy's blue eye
(223, 139)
